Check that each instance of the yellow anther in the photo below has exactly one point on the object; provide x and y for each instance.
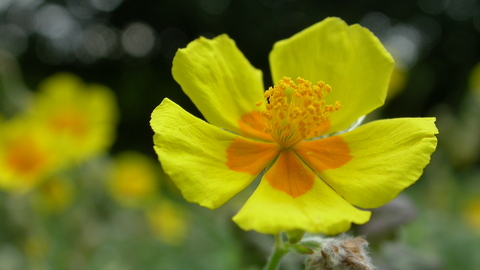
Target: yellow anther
(337, 105)
(295, 110)
(328, 88)
(259, 103)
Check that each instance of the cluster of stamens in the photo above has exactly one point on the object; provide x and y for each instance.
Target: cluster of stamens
(295, 111)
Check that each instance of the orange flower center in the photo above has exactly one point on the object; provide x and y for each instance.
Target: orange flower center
(71, 122)
(296, 111)
(24, 157)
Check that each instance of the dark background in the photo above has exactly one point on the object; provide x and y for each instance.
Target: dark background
(440, 40)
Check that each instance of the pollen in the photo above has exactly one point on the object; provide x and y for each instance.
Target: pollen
(296, 111)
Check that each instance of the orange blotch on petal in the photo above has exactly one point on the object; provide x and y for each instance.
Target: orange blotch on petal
(24, 157)
(72, 122)
(324, 154)
(290, 175)
(245, 155)
(252, 125)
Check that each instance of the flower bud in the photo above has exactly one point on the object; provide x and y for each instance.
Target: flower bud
(342, 252)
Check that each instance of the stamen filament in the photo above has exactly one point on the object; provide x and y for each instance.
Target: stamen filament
(293, 117)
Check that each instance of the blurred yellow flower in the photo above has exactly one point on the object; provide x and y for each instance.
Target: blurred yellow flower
(54, 195)
(26, 154)
(168, 221)
(81, 117)
(475, 81)
(36, 248)
(398, 81)
(472, 214)
(134, 179)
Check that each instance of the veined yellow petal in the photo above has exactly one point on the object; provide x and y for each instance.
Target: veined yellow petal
(273, 207)
(219, 80)
(387, 157)
(348, 58)
(196, 155)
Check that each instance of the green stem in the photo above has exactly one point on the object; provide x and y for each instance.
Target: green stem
(277, 255)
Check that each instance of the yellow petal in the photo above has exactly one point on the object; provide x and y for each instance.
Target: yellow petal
(169, 222)
(387, 157)
(291, 197)
(348, 58)
(82, 117)
(133, 179)
(194, 154)
(27, 154)
(219, 80)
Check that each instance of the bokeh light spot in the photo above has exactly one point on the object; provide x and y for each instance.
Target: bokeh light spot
(403, 42)
(13, 39)
(376, 22)
(4, 4)
(214, 6)
(22, 17)
(138, 39)
(461, 10)
(28, 3)
(53, 21)
(433, 6)
(81, 9)
(99, 40)
(106, 5)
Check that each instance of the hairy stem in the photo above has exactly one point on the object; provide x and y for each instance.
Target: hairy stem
(278, 252)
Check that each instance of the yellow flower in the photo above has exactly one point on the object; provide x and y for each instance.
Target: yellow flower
(80, 117)
(474, 81)
(133, 180)
(168, 222)
(472, 214)
(26, 155)
(36, 248)
(54, 195)
(398, 81)
(318, 170)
